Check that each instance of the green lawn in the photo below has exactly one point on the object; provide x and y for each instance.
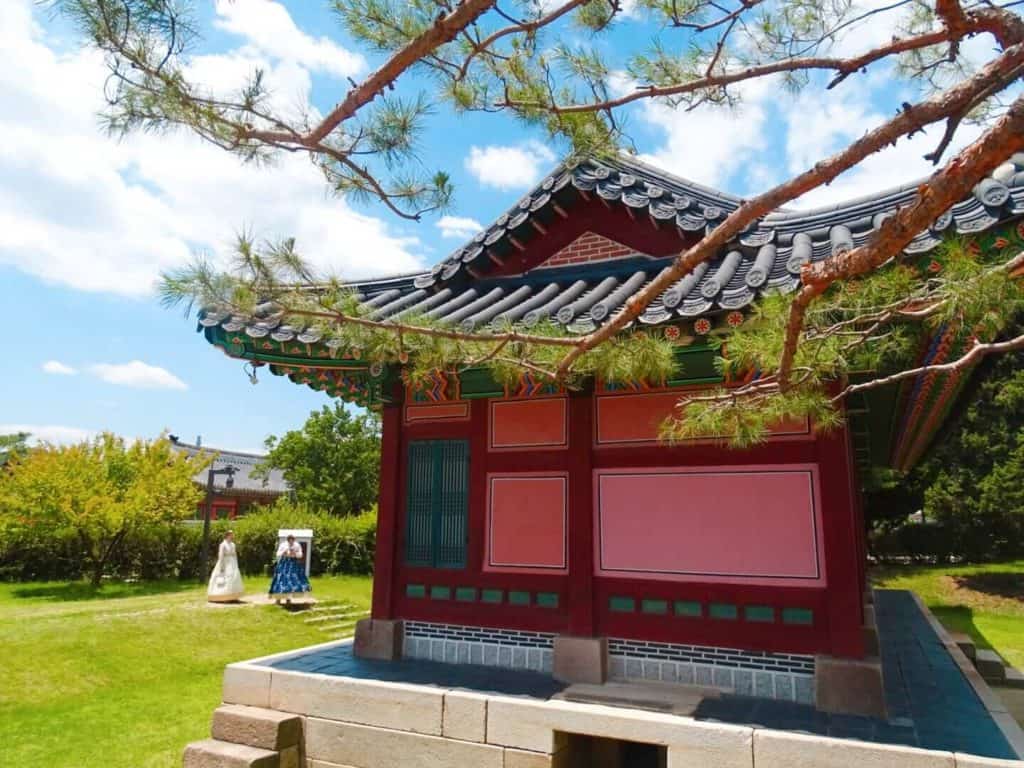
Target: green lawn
(125, 676)
(985, 601)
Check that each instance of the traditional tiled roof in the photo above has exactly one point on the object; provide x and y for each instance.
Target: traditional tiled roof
(244, 482)
(471, 287)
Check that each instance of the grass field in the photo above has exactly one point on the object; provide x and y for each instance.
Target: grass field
(985, 601)
(125, 676)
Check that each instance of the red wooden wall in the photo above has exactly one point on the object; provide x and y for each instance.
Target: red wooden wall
(590, 602)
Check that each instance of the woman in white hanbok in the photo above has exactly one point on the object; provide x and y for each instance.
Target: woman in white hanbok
(226, 580)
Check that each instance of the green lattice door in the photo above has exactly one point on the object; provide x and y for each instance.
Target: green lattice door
(437, 502)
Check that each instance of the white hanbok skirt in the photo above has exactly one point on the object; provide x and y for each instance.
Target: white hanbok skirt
(225, 581)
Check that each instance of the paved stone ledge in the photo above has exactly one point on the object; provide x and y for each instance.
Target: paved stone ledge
(398, 706)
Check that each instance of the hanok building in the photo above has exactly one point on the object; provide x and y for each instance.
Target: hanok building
(245, 490)
(530, 528)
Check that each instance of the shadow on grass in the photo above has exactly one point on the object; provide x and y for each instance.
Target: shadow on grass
(1008, 584)
(111, 590)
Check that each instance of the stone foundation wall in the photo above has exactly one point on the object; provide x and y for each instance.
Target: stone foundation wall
(789, 677)
(455, 644)
(374, 724)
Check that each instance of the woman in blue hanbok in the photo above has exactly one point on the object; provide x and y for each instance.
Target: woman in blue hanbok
(289, 573)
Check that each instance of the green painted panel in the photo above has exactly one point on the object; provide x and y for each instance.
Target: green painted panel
(654, 606)
(516, 597)
(547, 599)
(419, 528)
(437, 503)
(451, 471)
(478, 382)
(689, 608)
(465, 594)
(415, 590)
(804, 616)
(440, 593)
(493, 596)
(759, 613)
(722, 611)
(621, 604)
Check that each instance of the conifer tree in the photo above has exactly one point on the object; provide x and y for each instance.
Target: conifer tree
(856, 310)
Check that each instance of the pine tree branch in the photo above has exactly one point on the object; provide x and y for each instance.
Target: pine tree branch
(977, 351)
(948, 186)
(913, 118)
(842, 68)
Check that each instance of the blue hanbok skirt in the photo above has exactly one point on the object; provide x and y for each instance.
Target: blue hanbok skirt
(289, 576)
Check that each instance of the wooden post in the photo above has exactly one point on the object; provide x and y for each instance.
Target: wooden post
(387, 512)
(581, 516)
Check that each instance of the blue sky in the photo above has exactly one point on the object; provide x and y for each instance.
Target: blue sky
(87, 223)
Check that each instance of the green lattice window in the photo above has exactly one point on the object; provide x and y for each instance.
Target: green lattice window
(436, 503)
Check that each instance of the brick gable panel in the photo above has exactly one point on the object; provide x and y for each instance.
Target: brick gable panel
(588, 247)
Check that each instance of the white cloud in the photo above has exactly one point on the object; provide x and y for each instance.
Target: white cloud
(461, 227)
(82, 210)
(49, 433)
(58, 368)
(709, 144)
(137, 374)
(509, 167)
(269, 27)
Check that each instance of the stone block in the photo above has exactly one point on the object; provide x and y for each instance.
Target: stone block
(869, 617)
(965, 644)
(367, 702)
(871, 646)
(1014, 678)
(536, 726)
(849, 686)
(211, 753)
(361, 746)
(990, 665)
(517, 758)
(256, 727)
(378, 639)
(465, 716)
(291, 757)
(782, 749)
(246, 684)
(580, 659)
(973, 761)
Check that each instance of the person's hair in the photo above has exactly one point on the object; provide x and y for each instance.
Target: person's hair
(229, 533)
(291, 537)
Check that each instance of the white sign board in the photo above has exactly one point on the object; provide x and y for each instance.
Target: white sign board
(304, 536)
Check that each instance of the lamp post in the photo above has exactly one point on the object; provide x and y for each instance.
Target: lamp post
(229, 470)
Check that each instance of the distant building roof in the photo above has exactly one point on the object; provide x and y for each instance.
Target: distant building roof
(244, 482)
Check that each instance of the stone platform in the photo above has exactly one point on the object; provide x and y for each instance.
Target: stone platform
(359, 713)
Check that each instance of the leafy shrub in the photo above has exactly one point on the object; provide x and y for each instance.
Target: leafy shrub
(340, 545)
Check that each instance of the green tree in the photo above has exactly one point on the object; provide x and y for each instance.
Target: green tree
(972, 483)
(12, 445)
(556, 69)
(98, 491)
(333, 462)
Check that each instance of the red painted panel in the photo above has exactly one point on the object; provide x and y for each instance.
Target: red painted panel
(437, 412)
(636, 419)
(519, 424)
(527, 520)
(754, 524)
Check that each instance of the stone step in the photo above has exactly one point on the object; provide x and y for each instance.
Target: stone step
(256, 727)
(965, 643)
(211, 753)
(329, 605)
(345, 626)
(338, 616)
(990, 665)
(1014, 678)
